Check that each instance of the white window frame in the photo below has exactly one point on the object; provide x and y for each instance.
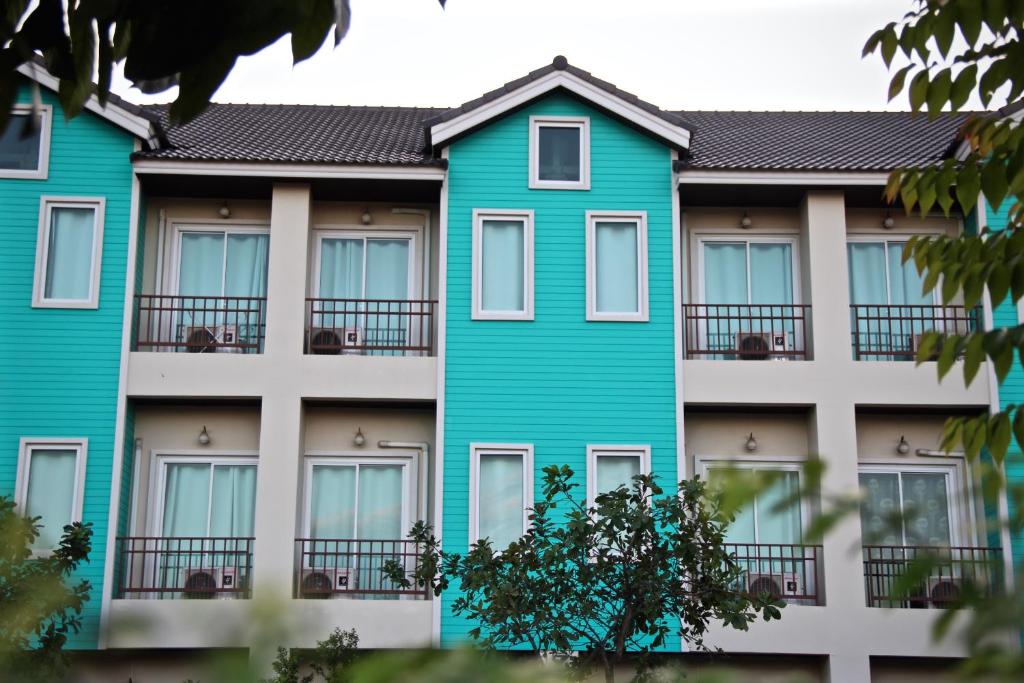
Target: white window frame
(886, 240)
(47, 204)
(27, 446)
(955, 491)
(228, 228)
(581, 123)
(643, 308)
(524, 216)
(410, 476)
(43, 169)
(597, 451)
(705, 463)
(339, 232)
(158, 478)
(525, 450)
(748, 240)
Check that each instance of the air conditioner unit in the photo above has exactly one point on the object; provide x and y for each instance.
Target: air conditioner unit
(210, 582)
(212, 339)
(780, 585)
(335, 340)
(327, 582)
(944, 590)
(762, 345)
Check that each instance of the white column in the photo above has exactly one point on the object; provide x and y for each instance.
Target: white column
(849, 668)
(286, 270)
(826, 285)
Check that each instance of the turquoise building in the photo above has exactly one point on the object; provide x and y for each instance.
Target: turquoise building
(69, 201)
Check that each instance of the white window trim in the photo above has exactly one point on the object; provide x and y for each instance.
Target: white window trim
(46, 205)
(747, 239)
(526, 217)
(704, 463)
(581, 123)
(640, 219)
(228, 228)
(361, 232)
(961, 528)
(475, 451)
(595, 451)
(887, 239)
(410, 476)
(41, 172)
(25, 448)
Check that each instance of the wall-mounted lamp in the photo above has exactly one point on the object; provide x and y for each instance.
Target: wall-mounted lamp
(888, 222)
(745, 222)
(367, 217)
(751, 443)
(204, 437)
(224, 210)
(902, 447)
(359, 439)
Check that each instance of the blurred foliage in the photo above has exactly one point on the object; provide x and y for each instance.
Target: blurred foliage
(328, 663)
(39, 607)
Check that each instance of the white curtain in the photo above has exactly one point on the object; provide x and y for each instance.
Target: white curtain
(868, 283)
(778, 510)
(192, 507)
(334, 512)
(616, 470)
(502, 266)
(771, 273)
(501, 499)
(51, 489)
(69, 253)
(201, 264)
(905, 284)
(333, 502)
(380, 502)
(617, 263)
(725, 273)
(341, 268)
(233, 505)
(246, 267)
(387, 269)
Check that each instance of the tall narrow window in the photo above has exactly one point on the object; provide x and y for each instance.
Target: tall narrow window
(51, 475)
(609, 467)
(503, 265)
(502, 491)
(25, 144)
(69, 252)
(560, 153)
(617, 266)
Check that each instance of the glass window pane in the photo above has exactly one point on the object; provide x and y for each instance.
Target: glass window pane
(380, 502)
(771, 273)
(201, 268)
(234, 501)
(778, 510)
(19, 145)
(905, 284)
(867, 273)
(51, 491)
(341, 268)
(725, 273)
(617, 265)
(741, 530)
(559, 153)
(500, 499)
(246, 265)
(615, 470)
(187, 499)
(501, 268)
(387, 269)
(880, 508)
(333, 502)
(926, 508)
(70, 253)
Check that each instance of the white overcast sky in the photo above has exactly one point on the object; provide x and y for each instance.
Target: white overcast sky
(677, 54)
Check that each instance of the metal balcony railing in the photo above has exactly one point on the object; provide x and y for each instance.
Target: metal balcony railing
(884, 332)
(370, 327)
(332, 568)
(746, 331)
(199, 324)
(193, 567)
(950, 572)
(788, 572)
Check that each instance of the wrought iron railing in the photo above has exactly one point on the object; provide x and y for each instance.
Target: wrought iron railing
(370, 327)
(199, 324)
(884, 332)
(945, 574)
(330, 567)
(746, 331)
(788, 572)
(192, 567)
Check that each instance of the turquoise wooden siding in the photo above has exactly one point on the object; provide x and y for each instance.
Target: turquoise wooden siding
(557, 382)
(59, 369)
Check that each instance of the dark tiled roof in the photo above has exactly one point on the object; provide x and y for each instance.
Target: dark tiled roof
(818, 141)
(289, 133)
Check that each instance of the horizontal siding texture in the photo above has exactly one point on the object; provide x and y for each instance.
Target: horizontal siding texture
(558, 382)
(59, 368)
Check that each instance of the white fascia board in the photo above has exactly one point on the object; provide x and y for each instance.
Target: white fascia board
(136, 125)
(261, 170)
(655, 125)
(702, 177)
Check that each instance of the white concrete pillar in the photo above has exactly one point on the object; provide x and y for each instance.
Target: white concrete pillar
(290, 226)
(826, 285)
(848, 667)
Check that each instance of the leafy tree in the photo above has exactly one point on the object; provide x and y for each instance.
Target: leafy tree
(329, 662)
(598, 583)
(38, 606)
(192, 44)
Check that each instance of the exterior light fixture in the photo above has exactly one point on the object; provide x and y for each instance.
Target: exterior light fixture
(745, 222)
(751, 443)
(204, 437)
(359, 439)
(902, 447)
(224, 210)
(888, 222)
(367, 217)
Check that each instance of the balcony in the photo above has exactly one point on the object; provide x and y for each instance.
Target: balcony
(886, 332)
(951, 572)
(746, 331)
(346, 568)
(188, 568)
(370, 327)
(785, 571)
(199, 324)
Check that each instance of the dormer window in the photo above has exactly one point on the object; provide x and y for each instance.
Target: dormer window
(25, 148)
(559, 153)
